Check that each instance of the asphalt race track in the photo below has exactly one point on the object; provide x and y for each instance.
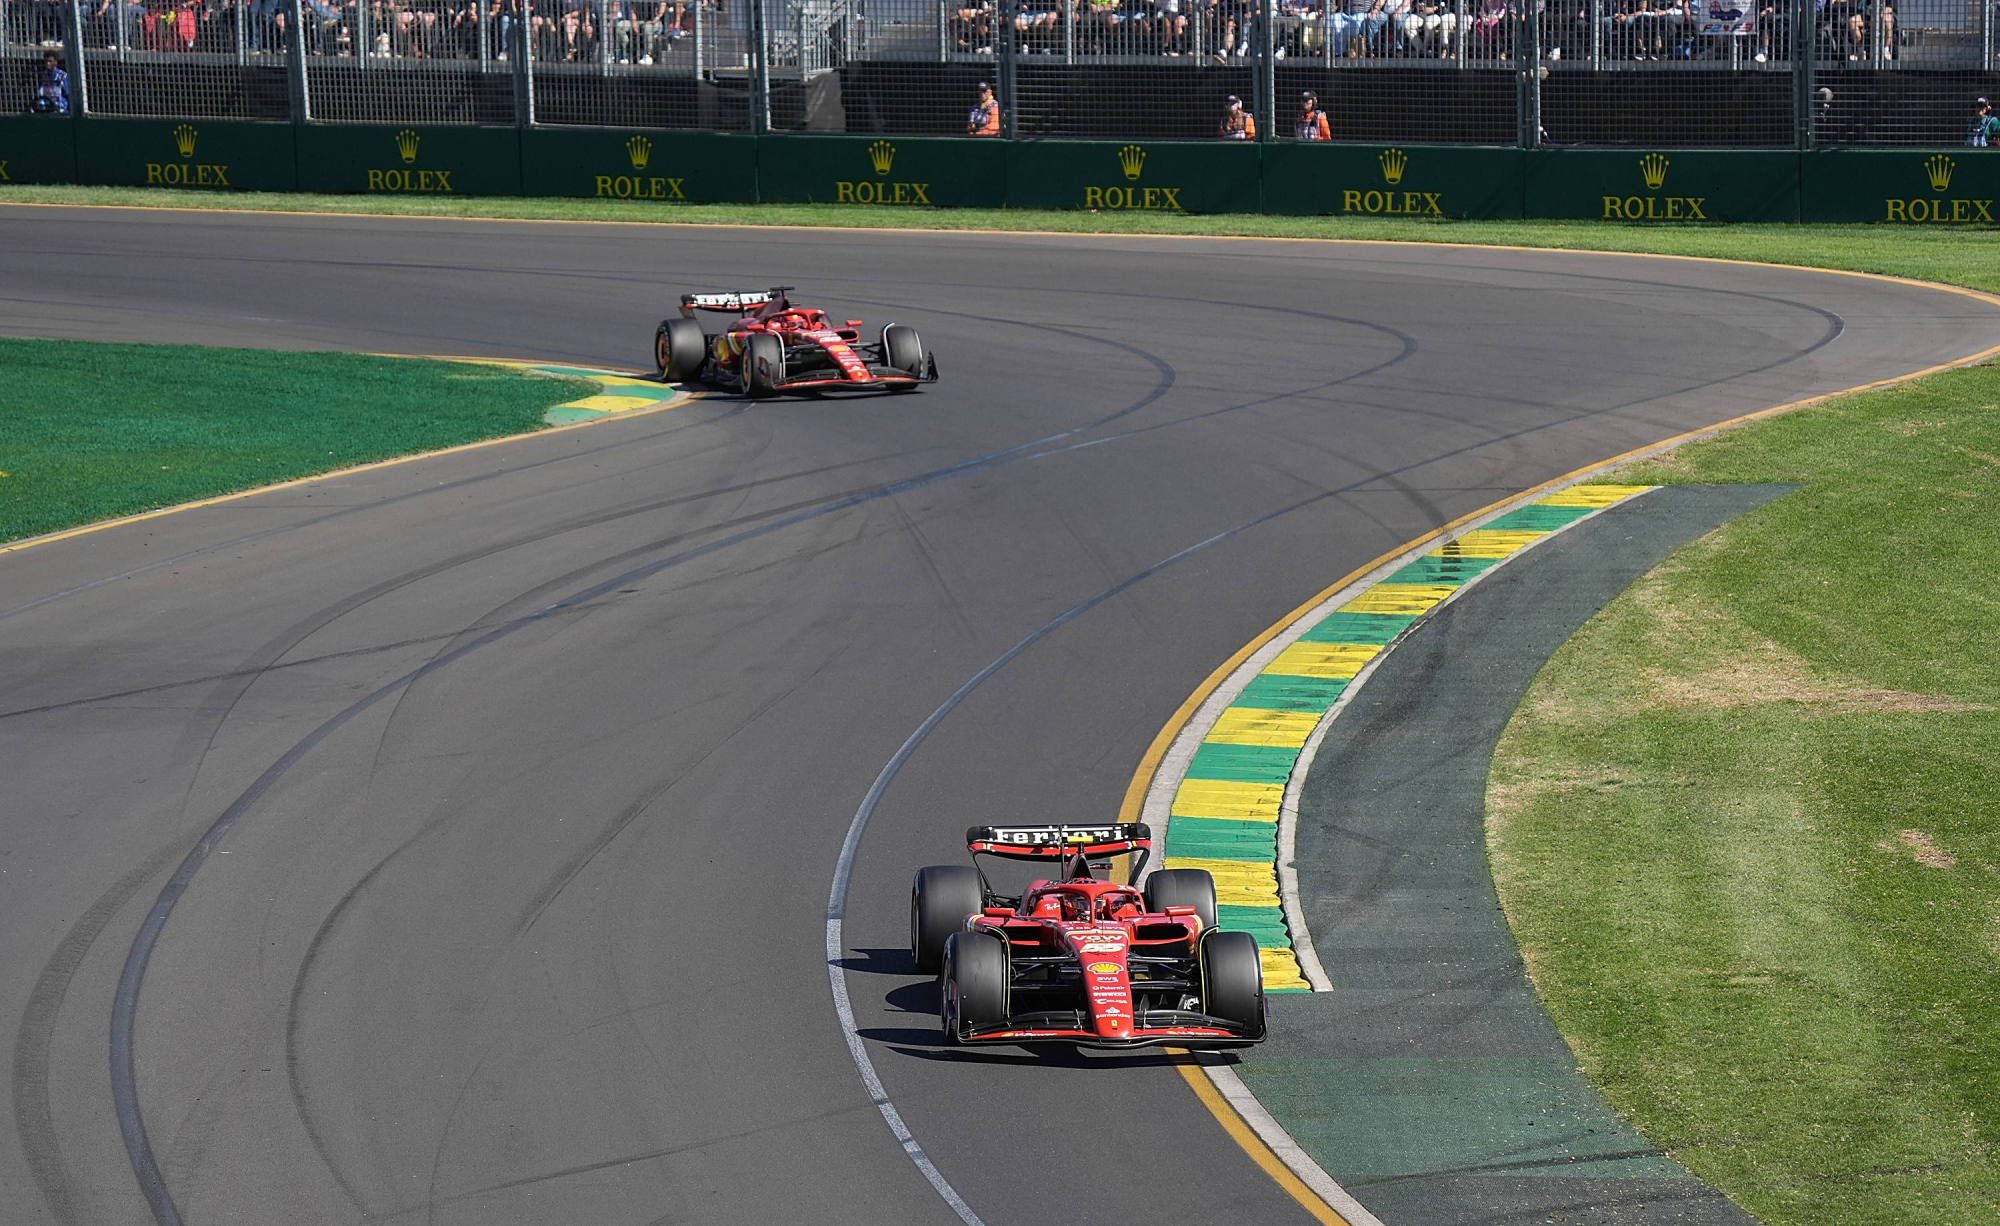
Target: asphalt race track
(536, 759)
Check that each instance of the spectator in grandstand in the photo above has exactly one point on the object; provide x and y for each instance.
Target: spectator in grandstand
(972, 27)
(1347, 19)
(1428, 27)
(984, 119)
(1222, 27)
(1035, 26)
(1491, 30)
(1237, 124)
(51, 88)
(1312, 121)
(1982, 131)
(1169, 26)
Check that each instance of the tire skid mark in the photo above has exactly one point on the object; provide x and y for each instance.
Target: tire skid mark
(131, 1122)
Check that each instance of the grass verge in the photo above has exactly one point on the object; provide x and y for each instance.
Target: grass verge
(1953, 256)
(90, 431)
(1743, 823)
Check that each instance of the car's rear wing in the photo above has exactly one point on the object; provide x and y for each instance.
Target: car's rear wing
(1064, 843)
(740, 301)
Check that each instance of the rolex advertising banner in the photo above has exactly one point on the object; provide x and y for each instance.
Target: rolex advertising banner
(1668, 185)
(1311, 178)
(650, 167)
(198, 154)
(904, 171)
(1136, 176)
(37, 149)
(410, 161)
(1941, 189)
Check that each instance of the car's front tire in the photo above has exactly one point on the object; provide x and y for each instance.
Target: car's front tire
(904, 350)
(974, 987)
(763, 365)
(1232, 979)
(940, 898)
(679, 349)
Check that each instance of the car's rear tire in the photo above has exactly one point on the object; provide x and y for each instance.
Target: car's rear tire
(1232, 979)
(974, 988)
(940, 898)
(1182, 887)
(904, 350)
(763, 365)
(679, 349)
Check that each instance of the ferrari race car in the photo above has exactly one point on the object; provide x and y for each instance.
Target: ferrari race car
(1079, 959)
(773, 347)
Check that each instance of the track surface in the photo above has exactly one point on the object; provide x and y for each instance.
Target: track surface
(537, 937)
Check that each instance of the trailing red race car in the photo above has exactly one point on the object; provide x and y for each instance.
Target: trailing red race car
(1080, 959)
(773, 347)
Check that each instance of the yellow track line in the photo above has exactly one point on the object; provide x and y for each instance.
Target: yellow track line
(1149, 763)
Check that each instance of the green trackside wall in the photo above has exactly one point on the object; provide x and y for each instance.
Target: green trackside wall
(1928, 187)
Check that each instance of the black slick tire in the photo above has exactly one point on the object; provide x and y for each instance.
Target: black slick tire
(940, 898)
(904, 350)
(1183, 887)
(973, 990)
(679, 349)
(763, 365)
(1232, 979)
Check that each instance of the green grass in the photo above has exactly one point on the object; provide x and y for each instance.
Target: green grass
(1959, 256)
(1746, 823)
(90, 431)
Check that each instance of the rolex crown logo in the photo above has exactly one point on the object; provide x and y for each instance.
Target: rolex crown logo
(1131, 160)
(1939, 169)
(1653, 167)
(1393, 163)
(406, 144)
(640, 150)
(184, 140)
(883, 155)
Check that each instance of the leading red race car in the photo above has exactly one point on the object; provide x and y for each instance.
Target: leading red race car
(1080, 959)
(773, 347)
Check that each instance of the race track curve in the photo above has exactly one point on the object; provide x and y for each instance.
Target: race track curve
(539, 756)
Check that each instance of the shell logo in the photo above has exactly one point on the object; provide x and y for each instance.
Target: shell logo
(1103, 968)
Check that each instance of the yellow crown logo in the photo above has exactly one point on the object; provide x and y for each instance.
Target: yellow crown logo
(1939, 169)
(1132, 160)
(184, 140)
(406, 144)
(1653, 168)
(883, 155)
(1393, 163)
(640, 150)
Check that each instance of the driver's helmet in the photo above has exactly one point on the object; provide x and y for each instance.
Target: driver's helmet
(1121, 906)
(1075, 908)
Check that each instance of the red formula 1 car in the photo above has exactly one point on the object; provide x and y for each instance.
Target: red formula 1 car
(773, 347)
(1080, 959)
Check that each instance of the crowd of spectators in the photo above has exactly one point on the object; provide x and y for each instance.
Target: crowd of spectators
(1665, 30)
(621, 31)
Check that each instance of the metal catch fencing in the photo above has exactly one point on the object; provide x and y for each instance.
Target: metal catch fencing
(1659, 73)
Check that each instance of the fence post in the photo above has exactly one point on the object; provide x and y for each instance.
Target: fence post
(1597, 34)
(1267, 70)
(295, 71)
(1069, 33)
(79, 77)
(484, 32)
(364, 48)
(1528, 64)
(1986, 8)
(760, 68)
(1003, 44)
(524, 69)
(1803, 52)
(696, 7)
(1459, 34)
